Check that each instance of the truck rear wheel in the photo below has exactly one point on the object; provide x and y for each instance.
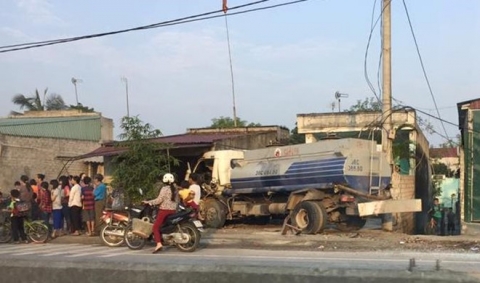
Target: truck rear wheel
(352, 223)
(213, 211)
(309, 216)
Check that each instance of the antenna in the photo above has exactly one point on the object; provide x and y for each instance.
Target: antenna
(339, 95)
(74, 82)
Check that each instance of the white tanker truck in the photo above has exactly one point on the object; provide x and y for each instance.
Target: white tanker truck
(330, 181)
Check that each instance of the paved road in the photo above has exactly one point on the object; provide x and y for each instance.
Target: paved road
(469, 263)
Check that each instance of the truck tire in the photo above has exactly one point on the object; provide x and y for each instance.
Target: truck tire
(309, 216)
(353, 223)
(214, 213)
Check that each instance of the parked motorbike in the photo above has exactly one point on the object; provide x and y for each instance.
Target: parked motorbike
(116, 222)
(180, 230)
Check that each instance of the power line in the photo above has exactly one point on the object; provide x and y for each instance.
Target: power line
(423, 66)
(130, 29)
(189, 19)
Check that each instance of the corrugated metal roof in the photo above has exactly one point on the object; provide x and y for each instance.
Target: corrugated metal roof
(193, 138)
(75, 128)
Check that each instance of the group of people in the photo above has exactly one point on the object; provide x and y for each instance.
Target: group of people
(438, 215)
(67, 202)
(75, 203)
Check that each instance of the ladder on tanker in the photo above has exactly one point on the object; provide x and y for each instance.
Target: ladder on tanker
(374, 187)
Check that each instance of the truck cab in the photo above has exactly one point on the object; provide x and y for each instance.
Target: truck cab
(216, 167)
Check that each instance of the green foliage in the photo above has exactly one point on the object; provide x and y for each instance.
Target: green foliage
(295, 137)
(440, 168)
(84, 109)
(34, 103)
(50, 102)
(227, 122)
(143, 162)
(369, 104)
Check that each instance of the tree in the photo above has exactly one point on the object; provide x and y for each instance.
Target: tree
(144, 159)
(227, 122)
(34, 103)
(295, 137)
(369, 104)
(84, 109)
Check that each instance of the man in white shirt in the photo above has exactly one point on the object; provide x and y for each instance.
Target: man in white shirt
(194, 180)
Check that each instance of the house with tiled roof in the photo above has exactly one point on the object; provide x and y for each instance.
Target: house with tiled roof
(449, 156)
(43, 142)
(190, 146)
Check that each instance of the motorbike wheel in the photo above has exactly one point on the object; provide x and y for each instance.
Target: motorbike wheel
(37, 232)
(5, 233)
(113, 240)
(133, 242)
(192, 231)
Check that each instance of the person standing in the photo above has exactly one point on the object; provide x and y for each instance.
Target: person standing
(45, 204)
(65, 196)
(99, 194)
(436, 214)
(75, 205)
(195, 187)
(88, 211)
(56, 195)
(450, 222)
(16, 219)
(26, 193)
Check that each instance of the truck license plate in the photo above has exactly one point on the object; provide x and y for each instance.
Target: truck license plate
(198, 224)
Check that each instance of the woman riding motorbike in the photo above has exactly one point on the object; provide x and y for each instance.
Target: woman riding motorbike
(167, 200)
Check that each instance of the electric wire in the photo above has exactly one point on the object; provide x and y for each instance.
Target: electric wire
(189, 19)
(423, 66)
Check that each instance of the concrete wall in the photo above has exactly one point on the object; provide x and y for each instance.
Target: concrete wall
(404, 188)
(252, 141)
(30, 156)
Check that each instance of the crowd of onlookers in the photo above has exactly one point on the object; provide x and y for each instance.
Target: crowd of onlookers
(67, 205)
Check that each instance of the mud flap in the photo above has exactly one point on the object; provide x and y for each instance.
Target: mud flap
(389, 206)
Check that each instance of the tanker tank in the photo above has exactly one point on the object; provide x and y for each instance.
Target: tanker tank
(351, 162)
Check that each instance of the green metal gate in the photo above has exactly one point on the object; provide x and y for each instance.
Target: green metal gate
(472, 171)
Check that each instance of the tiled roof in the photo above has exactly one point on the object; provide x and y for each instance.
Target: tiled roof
(75, 128)
(443, 152)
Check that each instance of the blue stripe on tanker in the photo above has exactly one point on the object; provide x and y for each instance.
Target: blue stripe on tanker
(360, 183)
(331, 172)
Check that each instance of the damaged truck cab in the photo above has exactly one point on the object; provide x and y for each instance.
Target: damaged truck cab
(327, 182)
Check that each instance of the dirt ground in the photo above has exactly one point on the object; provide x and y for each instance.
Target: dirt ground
(369, 239)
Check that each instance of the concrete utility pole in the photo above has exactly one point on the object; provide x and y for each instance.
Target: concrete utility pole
(387, 219)
(387, 80)
(125, 80)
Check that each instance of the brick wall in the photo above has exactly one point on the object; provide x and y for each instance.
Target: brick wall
(29, 156)
(404, 188)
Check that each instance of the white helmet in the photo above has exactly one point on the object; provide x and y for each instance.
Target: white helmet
(168, 178)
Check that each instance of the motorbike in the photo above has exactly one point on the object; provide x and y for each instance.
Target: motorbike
(180, 230)
(116, 222)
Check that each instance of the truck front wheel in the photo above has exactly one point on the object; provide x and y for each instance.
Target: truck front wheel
(213, 211)
(309, 216)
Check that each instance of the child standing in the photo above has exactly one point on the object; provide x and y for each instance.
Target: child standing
(57, 208)
(16, 219)
(88, 206)
(45, 204)
(450, 222)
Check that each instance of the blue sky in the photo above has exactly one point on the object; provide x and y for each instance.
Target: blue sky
(286, 61)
